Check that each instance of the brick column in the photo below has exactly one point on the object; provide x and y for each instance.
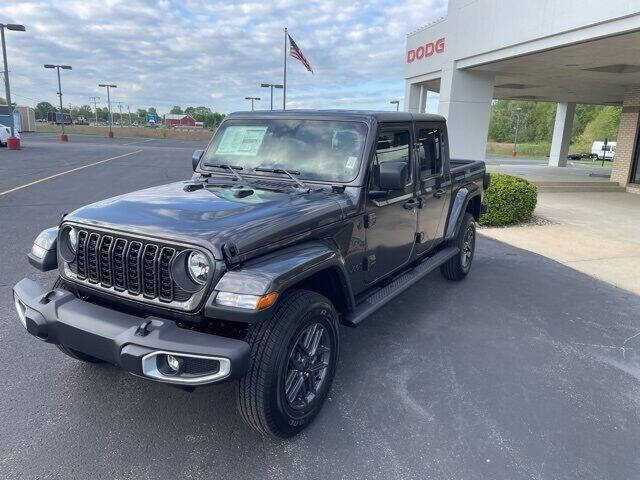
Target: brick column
(626, 142)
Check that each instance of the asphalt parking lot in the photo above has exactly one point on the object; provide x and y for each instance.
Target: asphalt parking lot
(526, 370)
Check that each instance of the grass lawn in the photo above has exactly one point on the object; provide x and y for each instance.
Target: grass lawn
(524, 149)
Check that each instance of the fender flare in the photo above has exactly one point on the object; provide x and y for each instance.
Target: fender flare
(459, 207)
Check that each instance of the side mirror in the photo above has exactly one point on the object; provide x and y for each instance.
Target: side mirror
(195, 158)
(393, 175)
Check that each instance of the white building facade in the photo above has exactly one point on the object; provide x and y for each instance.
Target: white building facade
(565, 51)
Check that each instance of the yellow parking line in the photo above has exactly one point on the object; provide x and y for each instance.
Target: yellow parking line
(65, 172)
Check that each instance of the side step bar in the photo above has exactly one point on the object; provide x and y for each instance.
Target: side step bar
(397, 286)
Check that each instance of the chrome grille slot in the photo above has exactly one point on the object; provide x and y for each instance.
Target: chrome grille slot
(149, 276)
(133, 267)
(165, 283)
(104, 257)
(93, 272)
(119, 261)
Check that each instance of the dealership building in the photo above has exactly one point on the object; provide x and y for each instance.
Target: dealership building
(563, 51)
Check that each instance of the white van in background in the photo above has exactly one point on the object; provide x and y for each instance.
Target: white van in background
(596, 150)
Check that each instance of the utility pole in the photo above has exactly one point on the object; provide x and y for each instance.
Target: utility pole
(129, 110)
(94, 100)
(12, 142)
(120, 109)
(109, 86)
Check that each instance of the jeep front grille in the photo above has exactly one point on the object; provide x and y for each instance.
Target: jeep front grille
(133, 268)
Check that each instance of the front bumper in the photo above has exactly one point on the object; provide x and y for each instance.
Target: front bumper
(133, 343)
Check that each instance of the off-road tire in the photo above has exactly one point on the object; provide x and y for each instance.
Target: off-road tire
(82, 357)
(458, 266)
(261, 394)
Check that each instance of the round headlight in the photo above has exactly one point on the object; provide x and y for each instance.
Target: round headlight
(73, 239)
(198, 266)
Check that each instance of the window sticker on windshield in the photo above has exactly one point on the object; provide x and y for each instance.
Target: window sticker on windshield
(351, 162)
(241, 141)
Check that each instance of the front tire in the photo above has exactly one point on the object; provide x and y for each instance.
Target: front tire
(70, 352)
(458, 266)
(292, 364)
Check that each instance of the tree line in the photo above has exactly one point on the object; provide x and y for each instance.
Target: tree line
(209, 118)
(591, 123)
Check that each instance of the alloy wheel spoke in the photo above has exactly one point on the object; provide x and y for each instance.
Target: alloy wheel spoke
(295, 381)
(315, 342)
(308, 338)
(318, 367)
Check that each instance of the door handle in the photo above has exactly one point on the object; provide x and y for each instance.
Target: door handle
(410, 204)
(439, 193)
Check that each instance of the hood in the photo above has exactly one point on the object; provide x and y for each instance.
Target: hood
(213, 216)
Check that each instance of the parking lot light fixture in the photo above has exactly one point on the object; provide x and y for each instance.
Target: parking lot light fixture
(13, 143)
(271, 86)
(396, 103)
(109, 86)
(514, 153)
(252, 100)
(63, 136)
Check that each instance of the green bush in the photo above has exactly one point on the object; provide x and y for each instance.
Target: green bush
(510, 200)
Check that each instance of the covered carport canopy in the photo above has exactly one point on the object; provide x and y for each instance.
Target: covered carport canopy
(597, 71)
(569, 52)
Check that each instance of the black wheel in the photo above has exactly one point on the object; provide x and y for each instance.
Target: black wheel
(292, 365)
(76, 355)
(457, 267)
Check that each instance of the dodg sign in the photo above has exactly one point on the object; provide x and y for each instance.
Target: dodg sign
(424, 51)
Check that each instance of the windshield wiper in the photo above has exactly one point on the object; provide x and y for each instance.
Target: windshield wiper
(232, 168)
(288, 173)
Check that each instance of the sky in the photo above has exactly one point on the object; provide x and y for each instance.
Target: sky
(212, 53)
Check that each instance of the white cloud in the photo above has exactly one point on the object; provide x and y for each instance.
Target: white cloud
(214, 53)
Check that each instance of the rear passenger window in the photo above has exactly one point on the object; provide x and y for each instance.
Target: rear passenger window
(393, 146)
(429, 152)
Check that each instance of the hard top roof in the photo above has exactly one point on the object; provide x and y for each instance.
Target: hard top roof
(380, 116)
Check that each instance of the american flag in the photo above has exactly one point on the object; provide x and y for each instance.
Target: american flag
(295, 52)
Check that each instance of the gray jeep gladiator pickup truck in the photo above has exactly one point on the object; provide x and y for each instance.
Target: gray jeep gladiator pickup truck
(293, 222)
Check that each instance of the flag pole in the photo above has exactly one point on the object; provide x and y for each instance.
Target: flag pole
(284, 82)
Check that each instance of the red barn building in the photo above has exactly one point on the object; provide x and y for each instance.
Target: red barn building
(179, 120)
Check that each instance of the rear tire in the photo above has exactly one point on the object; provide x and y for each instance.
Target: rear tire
(292, 364)
(70, 352)
(457, 267)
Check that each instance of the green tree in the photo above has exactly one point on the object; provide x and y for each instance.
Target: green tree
(42, 109)
(142, 113)
(176, 109)
(604, 125)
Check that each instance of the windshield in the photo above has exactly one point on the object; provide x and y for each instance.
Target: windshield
(313, 149)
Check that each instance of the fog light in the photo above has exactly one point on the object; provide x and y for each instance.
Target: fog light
(22, 311)
(174, 363)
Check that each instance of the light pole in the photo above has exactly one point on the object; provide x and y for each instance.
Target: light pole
(12, 142)
(252, 100)
(63, 136)
(396, 103)
(129, 110)
(109, 86)
(271, 86)
(94, 100)
(515, 138)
